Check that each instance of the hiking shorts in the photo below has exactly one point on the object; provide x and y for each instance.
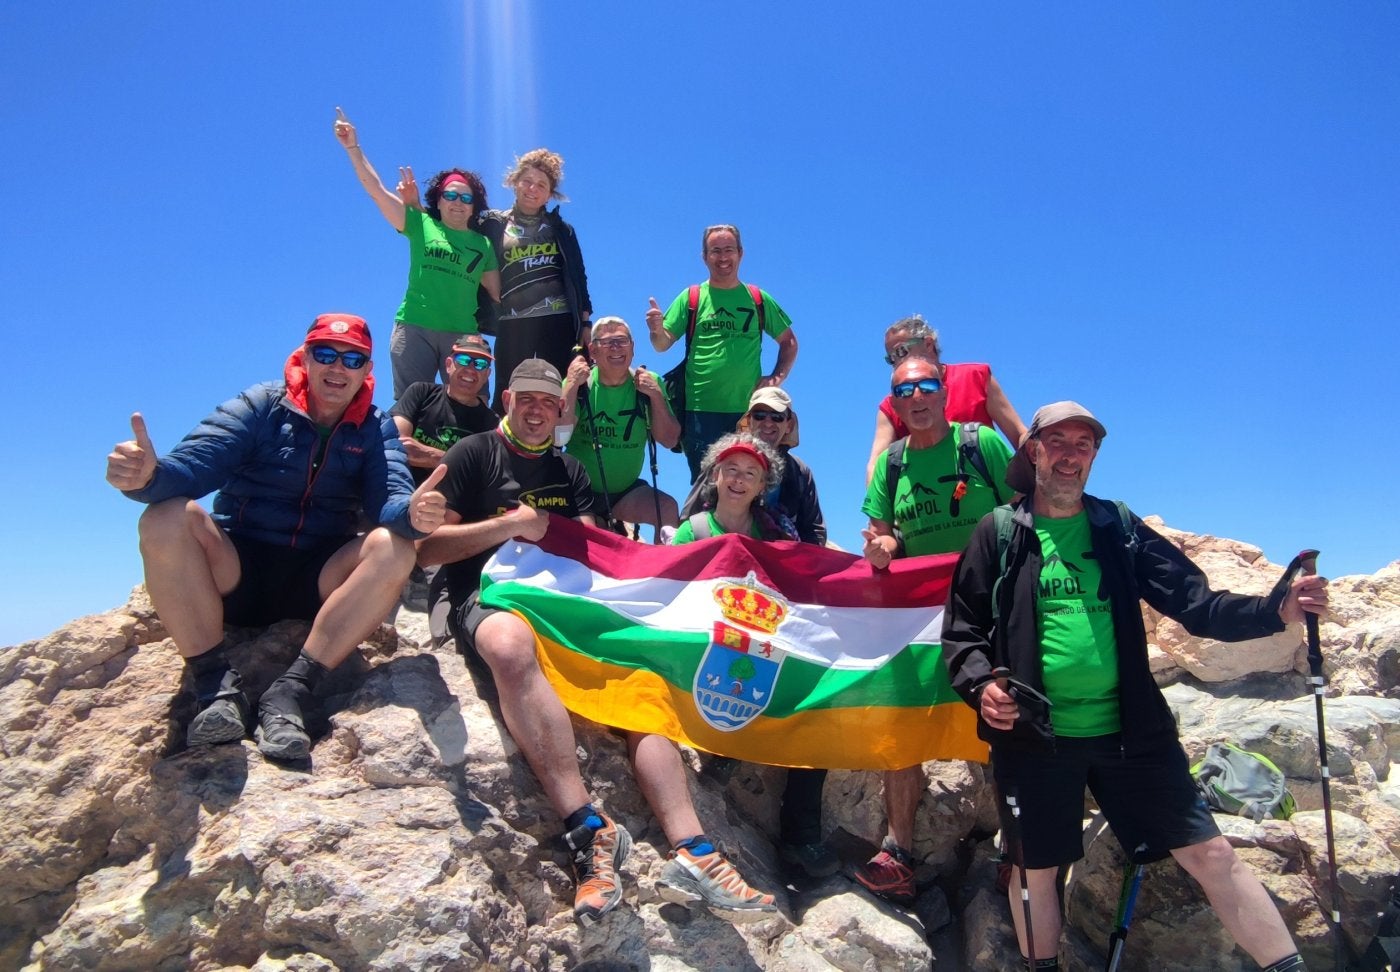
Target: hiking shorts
(1148, 798)
(459, 621)
(276, 582)
(612, 499)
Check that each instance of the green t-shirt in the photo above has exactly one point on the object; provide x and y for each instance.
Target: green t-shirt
(685, 533)
(921, 507)
(1078, 649)
(444, 270)
(620, 413)
(725, 353)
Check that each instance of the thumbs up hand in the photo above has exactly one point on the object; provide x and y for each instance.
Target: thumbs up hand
(132, 464)
(654, 316)
(427, 508)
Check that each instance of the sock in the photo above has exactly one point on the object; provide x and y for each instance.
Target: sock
(699, 845)
(579, 828)
(210, 671)
(1289, 963)
(905, 857)
(583, 815)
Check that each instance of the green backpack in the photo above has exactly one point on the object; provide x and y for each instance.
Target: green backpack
(1243, 783)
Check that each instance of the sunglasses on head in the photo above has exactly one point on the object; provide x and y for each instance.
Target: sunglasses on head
(464, 360)
(327, 355)
(759, 415)
(901, 351)
(906, 389)
(452, 195)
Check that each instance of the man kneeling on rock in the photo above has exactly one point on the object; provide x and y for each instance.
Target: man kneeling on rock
(297, 465)
(1043, 636)
(504, 484)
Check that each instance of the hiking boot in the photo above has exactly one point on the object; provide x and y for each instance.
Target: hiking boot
(889, 874)
(597, 853)
(224, 719)
(281, 733)
(708, 878)
(815, 860)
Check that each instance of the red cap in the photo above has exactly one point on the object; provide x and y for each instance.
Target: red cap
(745, 448)
(341, 328)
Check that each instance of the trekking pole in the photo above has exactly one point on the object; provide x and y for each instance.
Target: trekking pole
(593, 430)
(1003, 682)
(1127, 901)
(651, 452)
(1306, 563)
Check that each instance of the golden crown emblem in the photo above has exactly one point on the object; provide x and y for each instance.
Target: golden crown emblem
(750, 604)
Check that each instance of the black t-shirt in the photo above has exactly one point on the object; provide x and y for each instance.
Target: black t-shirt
(486, 477)
(439, 420)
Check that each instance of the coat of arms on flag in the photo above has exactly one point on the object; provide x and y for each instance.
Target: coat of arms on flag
(738, 670)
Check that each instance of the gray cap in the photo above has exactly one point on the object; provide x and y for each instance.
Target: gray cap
(537, 375)
(1020, 474)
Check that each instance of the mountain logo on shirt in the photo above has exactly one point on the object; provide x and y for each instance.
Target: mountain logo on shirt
(920, 489)
(1055, 558)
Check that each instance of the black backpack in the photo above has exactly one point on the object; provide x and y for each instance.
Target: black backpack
(969, 454)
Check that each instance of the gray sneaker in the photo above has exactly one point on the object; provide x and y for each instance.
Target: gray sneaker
(711, 880)
(223, 720)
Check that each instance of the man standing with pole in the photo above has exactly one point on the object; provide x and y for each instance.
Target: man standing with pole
(1049, 589)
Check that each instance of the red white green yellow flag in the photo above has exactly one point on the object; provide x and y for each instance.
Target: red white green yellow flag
(782, 653)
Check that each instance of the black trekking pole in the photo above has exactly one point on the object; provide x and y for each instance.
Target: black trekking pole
(1127, 901)
(1306, 563)
(651, 452)
(1003, 682)
(597, 443)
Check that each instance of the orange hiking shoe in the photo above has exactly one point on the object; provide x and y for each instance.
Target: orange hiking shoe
(701, 874)
(597, 853)
(889, 874)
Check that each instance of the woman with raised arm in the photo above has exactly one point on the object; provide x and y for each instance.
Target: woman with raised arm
(544, 310)
(449, 260)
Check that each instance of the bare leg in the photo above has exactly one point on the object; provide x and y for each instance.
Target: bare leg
(904, 789)
(537, 720)
(1045, 910)
(1241, 902)
(190, 564)
(359, 585)
(661, 776)
(639, 506)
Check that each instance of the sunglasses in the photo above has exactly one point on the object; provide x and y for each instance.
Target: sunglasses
(611, 343)
(471, 361)
(452, 195)
(906, 389)
(759, 415)
(326, 355)
(901, 351)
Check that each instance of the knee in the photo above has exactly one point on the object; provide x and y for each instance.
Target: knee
(1208, 860)
(507, 646)
(163, 522)
(390, 554)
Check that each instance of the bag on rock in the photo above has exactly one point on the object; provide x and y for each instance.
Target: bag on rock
(1243, 783)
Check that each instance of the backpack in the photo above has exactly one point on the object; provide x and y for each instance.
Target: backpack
(1243, 783)
(1006, 526)
(674, 380)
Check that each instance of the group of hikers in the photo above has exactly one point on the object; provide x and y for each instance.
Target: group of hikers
(325, 506)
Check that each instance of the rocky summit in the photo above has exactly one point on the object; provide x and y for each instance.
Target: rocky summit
(416, 838)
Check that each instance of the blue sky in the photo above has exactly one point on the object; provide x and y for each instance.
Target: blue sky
(1183, 215)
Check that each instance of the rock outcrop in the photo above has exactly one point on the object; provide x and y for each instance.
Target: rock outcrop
(416, 838)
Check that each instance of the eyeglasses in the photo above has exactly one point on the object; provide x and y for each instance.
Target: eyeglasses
(326, 355)
(759, 415)
(901, 350)
(452, 195)
(611, 344)
(723, 251)
(471, 361)
(906, 389)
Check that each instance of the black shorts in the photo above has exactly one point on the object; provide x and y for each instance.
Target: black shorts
(612, 499)
(1148, 798)
(459, 621)
(276, 582)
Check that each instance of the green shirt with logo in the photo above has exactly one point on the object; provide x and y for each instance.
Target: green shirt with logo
(725, 352)
(1078, 649)
(619, 426)
(924, 506)
(444, 271)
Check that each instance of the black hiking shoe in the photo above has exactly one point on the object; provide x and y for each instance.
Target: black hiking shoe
(281, 734)
(222, 720)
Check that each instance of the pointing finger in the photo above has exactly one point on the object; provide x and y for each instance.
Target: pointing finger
(340, 115)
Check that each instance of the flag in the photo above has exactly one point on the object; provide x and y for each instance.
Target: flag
(774, 652)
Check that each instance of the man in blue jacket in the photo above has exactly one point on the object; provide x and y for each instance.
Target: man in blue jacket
(297, 464)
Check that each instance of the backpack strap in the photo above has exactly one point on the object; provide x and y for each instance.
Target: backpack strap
(692, 307)
(894, 462)
(757, 296)
(700, 525)
(970, 453)
(1002, 517)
